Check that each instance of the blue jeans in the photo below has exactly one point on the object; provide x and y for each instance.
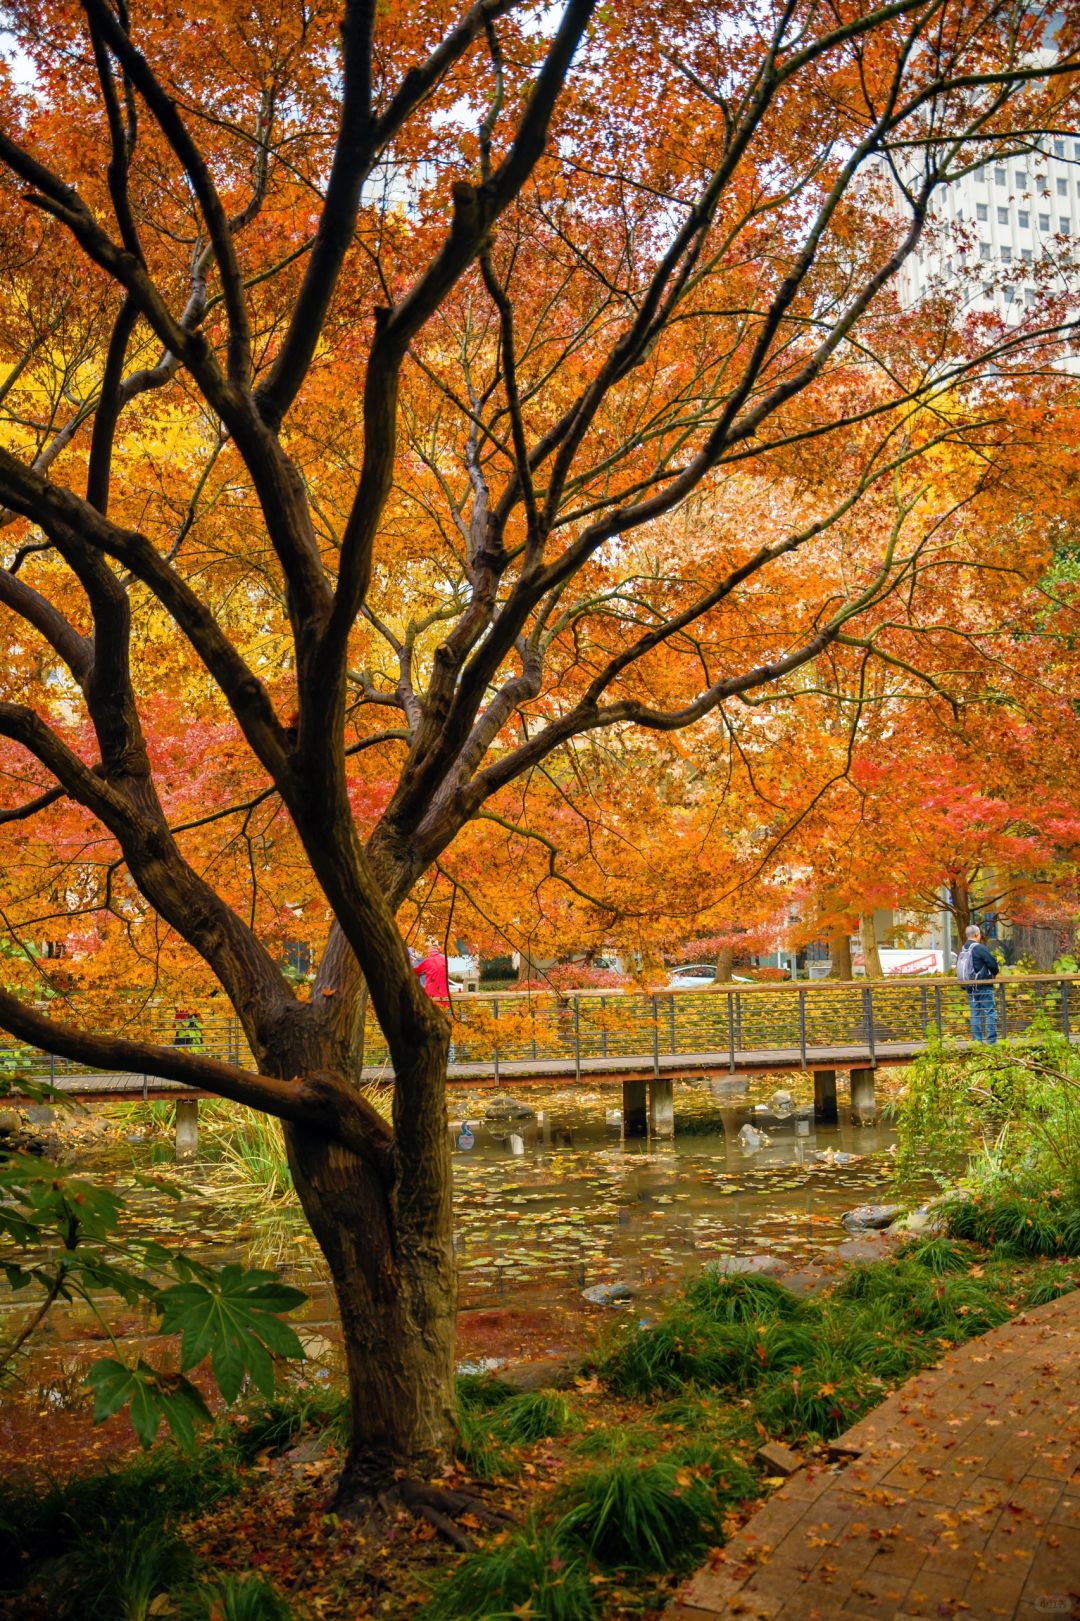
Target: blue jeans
(983, 1011)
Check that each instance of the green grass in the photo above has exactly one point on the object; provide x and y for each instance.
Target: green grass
(534, 1572)
(640, 1515)
(1026, 1223)
(114, 1572)
(742, 1298)
(234, 1598)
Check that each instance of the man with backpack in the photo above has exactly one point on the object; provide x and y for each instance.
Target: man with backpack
(976, 969)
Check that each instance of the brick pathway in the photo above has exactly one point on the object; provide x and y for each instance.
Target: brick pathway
(959, 1496)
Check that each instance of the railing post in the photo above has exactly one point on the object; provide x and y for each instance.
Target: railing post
(655, 1034)
(868, 1004)
(925, 1013)
(1004, 1011)
(671, 1021)
(495, 1016)
(937, 1009)
(577, 1039)
(731, 1031)
(802, 1025)
(603, 1028)
(1065, 1010)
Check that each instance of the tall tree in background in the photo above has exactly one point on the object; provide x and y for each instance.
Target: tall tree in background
(437, 389)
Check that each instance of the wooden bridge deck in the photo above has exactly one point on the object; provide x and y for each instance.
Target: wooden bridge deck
(544, 1071)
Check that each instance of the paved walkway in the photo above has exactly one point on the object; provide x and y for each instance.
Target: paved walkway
(959, 1496)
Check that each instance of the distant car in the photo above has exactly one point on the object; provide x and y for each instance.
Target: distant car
(692, 976)
(696, 976)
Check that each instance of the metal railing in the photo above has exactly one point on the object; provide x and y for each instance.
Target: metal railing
(578, 1030)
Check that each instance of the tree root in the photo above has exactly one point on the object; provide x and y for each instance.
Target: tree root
(438, 1506)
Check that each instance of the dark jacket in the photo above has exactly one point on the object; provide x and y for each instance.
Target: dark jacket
(982, 964)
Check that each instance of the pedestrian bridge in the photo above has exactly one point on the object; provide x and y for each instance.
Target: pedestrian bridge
(647, 1040)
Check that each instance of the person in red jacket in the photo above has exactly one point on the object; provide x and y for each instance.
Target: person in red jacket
(435, 980)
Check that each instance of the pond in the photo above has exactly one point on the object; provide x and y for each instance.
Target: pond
(544, 1208)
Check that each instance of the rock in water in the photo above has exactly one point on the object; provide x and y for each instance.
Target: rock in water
(728, 1266)
(608, 1294)
(750, 1139)
(871, 1217)
(504, 1107)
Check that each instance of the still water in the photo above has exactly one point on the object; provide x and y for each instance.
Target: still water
(544, 1208)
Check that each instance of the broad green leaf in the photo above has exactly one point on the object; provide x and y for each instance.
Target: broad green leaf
(231, 1317)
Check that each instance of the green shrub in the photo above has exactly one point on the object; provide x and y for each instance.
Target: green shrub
(639, 1515)
(532, 1572)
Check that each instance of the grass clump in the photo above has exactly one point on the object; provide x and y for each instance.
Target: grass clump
(533, 1572)
(235, 1598)
(634, 1514)
(115, 1572)
(690, 1347)
(742, 1298)
(532, 1416)
(1017, 1221)
(938, 1255)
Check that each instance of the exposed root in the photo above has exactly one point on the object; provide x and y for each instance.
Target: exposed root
(439, 1506)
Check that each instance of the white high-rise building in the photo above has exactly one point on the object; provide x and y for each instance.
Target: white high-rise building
(1001, 237)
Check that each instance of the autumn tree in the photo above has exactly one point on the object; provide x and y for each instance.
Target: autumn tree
(379, 379)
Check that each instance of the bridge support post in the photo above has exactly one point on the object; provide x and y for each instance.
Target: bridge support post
(863, 1102)
(186, 1140)
(635, 1114)
(825, 1106)
(661, 1107)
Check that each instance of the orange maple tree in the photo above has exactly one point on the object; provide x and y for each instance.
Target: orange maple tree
(398, 396)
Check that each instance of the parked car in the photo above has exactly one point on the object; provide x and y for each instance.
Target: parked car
(695, 976)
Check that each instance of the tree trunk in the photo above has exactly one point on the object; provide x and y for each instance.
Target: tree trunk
(387, 1238)
(961, 907)
(871, 954)
(725, 962)
(839, 954)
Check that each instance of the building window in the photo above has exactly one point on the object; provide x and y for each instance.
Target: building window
(1059, 149)
(1076, 149)
(1003, 216)
(1063, 225)
(1006, 256)
(984, 250)
(1063, 188)
(981, 211)
(1027, 255)
(1044, 222)
(1023, 219)
(1000, 178)
(1029, 297)
(1021, 179)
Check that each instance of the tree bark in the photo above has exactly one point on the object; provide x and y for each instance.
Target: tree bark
(839, 953)
(871, 954)
(725, 962)
(387, 1239)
